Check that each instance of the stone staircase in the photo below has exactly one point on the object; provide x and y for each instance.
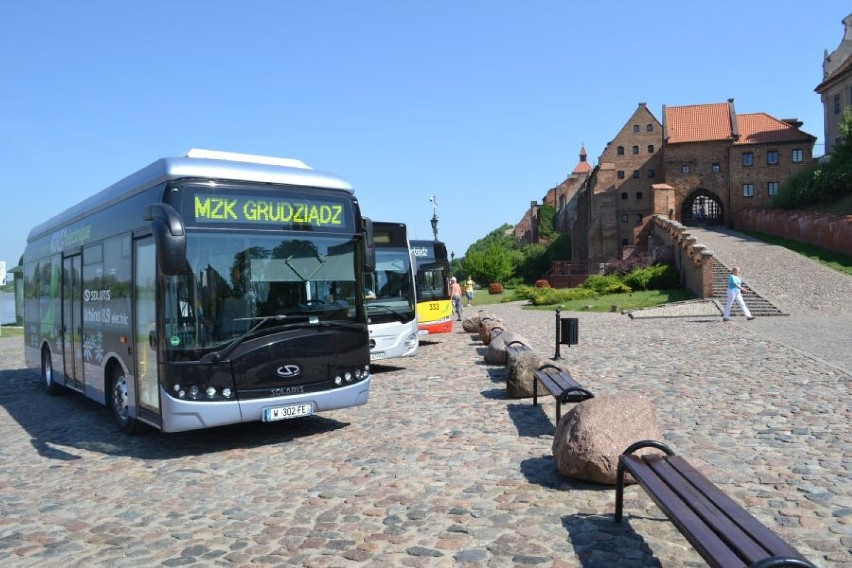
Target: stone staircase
(758, 305)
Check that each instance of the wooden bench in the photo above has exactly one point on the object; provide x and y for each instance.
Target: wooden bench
(561, 385)
(722, 532)
(514, 347)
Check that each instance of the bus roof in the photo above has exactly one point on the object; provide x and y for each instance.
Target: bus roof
(204, 164)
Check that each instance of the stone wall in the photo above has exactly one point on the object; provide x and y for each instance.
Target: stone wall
(833, 232)
(671, 242)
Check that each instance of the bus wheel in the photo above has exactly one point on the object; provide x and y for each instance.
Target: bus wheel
(121, 402)
(47, 373)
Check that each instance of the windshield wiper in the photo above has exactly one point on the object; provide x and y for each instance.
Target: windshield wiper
(216, 356)
(399, 315)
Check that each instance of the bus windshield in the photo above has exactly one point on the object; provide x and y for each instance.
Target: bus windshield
(234, 281)
(390, 290)
(432, 281)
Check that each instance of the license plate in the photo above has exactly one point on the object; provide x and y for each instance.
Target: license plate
(377, 355)
(287, 412)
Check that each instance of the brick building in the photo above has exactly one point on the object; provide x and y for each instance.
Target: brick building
(835, 90)
(561, 197)
(719, 162)
(699, 166)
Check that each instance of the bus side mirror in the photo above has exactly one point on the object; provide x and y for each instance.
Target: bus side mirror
(169, 236)
(369, 245)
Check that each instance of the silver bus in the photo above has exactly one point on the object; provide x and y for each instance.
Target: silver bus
(203, 290)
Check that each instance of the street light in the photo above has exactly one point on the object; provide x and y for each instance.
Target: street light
(434, 219)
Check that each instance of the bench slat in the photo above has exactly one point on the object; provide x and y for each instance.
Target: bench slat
(773, 544)
(707, 508)
(561, 385)
(713, 549)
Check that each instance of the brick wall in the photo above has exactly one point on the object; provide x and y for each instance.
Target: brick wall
(634, 154)
(699, 158)
(761, 172)
(671, 241)
(833, 232)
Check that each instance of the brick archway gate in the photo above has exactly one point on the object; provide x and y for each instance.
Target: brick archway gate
(702, 207)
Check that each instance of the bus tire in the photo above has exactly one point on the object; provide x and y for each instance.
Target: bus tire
(47, 373)
(120, 402)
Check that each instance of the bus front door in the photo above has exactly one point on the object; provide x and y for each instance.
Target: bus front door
(72, 313)
(145, 308)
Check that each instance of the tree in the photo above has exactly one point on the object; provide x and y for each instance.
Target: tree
(492, 263)
(546, 221)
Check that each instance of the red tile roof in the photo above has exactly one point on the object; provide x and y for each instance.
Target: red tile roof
(698, 123)
(704, 123)
(760, 128)
(582, 168)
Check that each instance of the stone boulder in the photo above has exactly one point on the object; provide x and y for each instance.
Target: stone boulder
(519, 374)
(471, 324)
(496, 352)
(591, 437)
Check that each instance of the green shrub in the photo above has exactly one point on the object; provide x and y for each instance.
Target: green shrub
(601, 283)
(618, 288)
(551, 296)
(656, 277)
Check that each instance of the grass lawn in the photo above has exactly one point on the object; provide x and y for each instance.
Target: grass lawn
(11, 331)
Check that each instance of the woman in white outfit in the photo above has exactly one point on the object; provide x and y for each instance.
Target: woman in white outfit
(735, 292)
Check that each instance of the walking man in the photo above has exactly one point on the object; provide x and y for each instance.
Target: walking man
(455, 296)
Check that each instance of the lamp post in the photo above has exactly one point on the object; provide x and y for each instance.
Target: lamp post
(434, 219)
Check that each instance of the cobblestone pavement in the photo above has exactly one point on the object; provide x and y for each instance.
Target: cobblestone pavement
(440, 468)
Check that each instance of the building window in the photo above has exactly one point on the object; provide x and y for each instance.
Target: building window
(635, 149)
(716, 167)
(624, 195)
(620, 150)
(748, 159)
(624, 217)
(650, 148)
(748, 190)
(772, 157)
(797, 155)
(650, 128)
(636, 174)
(620, 174)
(684, 169)
(772, 188)
(635, 128)
(624, 242)
(638, 217)
(650, 173)
(638, 196)
(837, 104)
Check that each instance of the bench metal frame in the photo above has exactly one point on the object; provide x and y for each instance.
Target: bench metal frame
(719, 529)
(561, 385)
(516, 346)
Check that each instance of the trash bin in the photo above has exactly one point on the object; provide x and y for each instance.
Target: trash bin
(569, 331)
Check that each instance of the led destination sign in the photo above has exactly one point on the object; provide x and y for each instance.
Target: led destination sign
(220, 208)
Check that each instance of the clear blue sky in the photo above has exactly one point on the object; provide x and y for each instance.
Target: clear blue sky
(483, 104)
